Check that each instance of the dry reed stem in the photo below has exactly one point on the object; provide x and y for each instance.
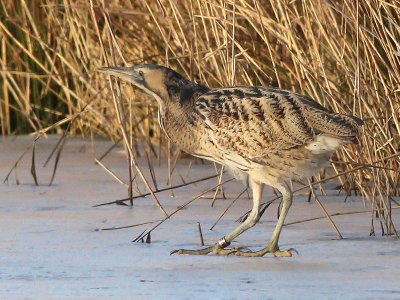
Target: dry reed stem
(120, 201)
(324, 210)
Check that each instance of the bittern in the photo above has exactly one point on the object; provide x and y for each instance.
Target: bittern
(264, 135)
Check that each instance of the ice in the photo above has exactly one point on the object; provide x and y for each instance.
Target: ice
(52, 245)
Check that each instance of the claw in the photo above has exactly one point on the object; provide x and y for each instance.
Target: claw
(174, 251)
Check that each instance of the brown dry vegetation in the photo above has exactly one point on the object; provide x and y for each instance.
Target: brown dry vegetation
(344, 54)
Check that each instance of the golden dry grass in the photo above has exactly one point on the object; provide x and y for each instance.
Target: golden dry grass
(344, 54)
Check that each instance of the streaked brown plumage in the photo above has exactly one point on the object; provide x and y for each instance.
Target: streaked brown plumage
(264, 135)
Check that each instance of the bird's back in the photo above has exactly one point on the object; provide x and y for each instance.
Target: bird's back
(255, 123)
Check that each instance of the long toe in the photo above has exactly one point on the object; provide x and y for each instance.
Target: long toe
(249, 253)
(203, 251)
(226, 251)
(262, 252)
(215, 249)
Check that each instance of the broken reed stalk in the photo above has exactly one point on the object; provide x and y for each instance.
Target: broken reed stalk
(324, 210)
(229, 206)
(129, 226)
(219, 188)
(111, 173)
(338, 214)
(108, 151)
(15, 165)
(200, 233)
(121, 201)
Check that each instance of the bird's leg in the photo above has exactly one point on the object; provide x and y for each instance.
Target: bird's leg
(273, 245)
(219, 248)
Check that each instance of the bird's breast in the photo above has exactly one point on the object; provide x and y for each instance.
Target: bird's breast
(180, 132)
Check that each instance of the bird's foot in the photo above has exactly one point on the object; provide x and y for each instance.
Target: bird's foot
(218, 248)
(270, 249)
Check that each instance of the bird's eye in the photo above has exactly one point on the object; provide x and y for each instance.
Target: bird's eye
(141, 73)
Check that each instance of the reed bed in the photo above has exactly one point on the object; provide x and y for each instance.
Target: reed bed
(344, 54)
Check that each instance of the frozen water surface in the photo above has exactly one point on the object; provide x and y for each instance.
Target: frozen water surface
(51, 245)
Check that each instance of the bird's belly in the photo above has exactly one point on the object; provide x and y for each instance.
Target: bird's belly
(289, 165)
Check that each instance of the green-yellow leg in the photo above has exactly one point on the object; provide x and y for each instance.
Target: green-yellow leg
(273, 247)
(220, 247)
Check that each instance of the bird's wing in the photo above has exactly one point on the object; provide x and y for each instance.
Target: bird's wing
(252, 121)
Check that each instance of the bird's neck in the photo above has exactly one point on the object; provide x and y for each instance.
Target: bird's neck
(175, 107)
(175, 118)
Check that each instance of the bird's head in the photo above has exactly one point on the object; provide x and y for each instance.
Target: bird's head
(161, 82)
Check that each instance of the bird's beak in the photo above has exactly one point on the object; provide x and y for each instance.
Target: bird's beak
(128, 74)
